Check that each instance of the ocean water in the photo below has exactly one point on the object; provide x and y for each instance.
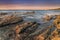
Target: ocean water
(37, 16)
(37, 12)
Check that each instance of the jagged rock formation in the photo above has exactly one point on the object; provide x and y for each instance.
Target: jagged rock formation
(3, 14)
(57, 25)
(30, 12)
(20, 31)
(51, 35)
(29, 30)
(25, 30)
(9, 20)
(47, 18)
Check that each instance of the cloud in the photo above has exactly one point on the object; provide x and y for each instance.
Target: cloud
(26, 7)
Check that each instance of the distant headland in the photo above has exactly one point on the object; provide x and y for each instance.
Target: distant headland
(55, 9)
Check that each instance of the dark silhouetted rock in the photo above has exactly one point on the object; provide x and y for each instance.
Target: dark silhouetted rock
(3, 13)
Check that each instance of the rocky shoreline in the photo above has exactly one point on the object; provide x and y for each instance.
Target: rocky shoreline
(15, 28)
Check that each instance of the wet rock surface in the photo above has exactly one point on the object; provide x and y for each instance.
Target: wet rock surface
(10, 20)
(16, 28)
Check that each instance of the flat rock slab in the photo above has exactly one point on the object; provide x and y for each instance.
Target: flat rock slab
(10, 19)
(15, 31)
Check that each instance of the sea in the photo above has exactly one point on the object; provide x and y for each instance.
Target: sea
(37, 16)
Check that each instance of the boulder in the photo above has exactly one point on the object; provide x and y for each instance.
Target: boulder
(47, 18)
(56, 22)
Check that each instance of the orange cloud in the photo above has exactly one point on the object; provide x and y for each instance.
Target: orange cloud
(25, 7)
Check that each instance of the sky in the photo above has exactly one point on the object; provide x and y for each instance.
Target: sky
(29, 4)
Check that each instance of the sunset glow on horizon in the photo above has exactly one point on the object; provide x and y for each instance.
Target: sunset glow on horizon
(29, 4)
